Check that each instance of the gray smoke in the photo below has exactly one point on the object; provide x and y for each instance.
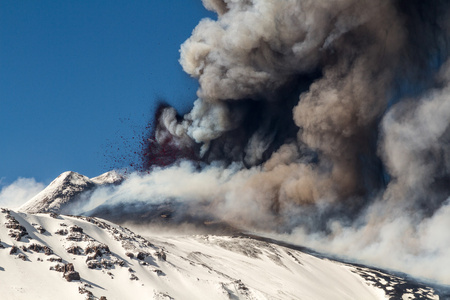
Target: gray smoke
(327, 121)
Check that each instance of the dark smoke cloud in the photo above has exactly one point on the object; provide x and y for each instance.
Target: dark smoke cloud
(328, 120)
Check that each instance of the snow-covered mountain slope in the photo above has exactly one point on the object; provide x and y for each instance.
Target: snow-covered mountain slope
(49, 256)
(111, 177)
(66, 190)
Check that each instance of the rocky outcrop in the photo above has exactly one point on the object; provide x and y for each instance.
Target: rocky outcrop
(70, 274)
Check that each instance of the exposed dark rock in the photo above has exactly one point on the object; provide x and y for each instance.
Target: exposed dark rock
(75, 236)
(70, 276)
(57, 268)
(93, 264)
(120, 262)
(83, 290)
(134, 277)
(15, 225)
(41, 229)
(35, 248)
(97, 253)
(69, 273)
(106, 263)
(40, 248)
(76, 250)
(17, 231)
(13, 250)
(129, 254)
(52, 259)
(48, 251)
(159, 272)
(102, 248)
(161, 255)
(76, 228)
(142, 255)
(61, 231)
(16, 235)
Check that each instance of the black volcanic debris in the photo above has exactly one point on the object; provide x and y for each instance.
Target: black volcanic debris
(160, 148)
(307, 97)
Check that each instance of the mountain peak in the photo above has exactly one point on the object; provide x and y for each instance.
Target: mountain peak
(70, 177)
(66, 190)
(111, 177)
(58, 193)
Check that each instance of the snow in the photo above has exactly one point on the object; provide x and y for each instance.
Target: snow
(118, 263)
(197, 267)
(59, 192)
(111, 177)
(67, 187)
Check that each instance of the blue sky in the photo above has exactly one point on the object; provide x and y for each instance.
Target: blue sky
(79, 80)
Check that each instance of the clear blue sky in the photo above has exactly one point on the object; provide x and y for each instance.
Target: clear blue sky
(80, 79)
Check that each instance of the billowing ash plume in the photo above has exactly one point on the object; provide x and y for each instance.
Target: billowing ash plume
(329, 120)
(315, 75)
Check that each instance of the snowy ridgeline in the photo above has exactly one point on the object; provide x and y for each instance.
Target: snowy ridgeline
(50, 256)
(62, 194)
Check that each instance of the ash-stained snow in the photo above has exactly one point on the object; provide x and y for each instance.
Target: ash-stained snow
(50, 256)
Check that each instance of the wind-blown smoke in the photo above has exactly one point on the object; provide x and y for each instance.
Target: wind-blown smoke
(327, 120)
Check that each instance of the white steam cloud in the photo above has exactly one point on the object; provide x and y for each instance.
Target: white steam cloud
(327, 122)
(20, 191)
